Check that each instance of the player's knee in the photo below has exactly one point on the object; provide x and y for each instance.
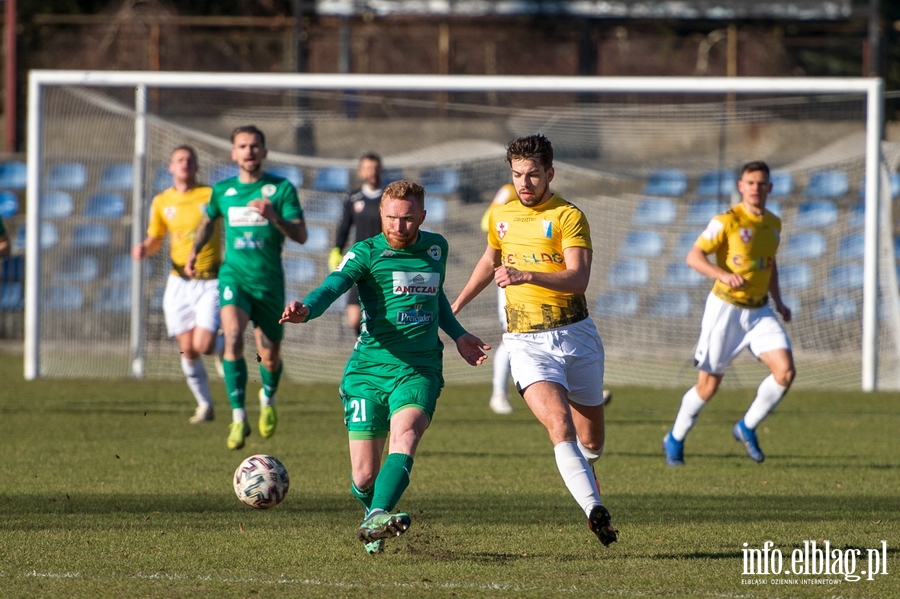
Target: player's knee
(364, 479)
(786, 376)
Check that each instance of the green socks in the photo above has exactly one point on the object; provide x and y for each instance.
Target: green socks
(270, 379)
(392, 481)
(236, 381)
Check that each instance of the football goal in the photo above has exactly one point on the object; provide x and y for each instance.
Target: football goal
(649, 160)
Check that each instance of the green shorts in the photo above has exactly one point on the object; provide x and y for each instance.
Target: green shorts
(372, 391)
(264, 305)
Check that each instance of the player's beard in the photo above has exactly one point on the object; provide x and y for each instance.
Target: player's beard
(537, 198)
(251, 168)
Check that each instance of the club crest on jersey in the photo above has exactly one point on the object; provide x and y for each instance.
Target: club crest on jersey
(269, 190)
(502, 228)
(359, 206)
(416, 283)
(435, 252)
(548, 229)
(169, 212)
(746, 235)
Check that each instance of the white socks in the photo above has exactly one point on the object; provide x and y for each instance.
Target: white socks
(767, 397)
(501, 369)
(577, 475)
(197, 381)
(238, 415)
(590, 455)
(691, 404)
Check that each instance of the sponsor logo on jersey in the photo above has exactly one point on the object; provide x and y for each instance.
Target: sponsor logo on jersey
(748, 263)
(169, 212)
(269, 190)
(435, 252)
(244, 216)
(231, 192)
(548, 229)
(502, 228)
(542, 258)
(248, 242)
(388, 253)
(746, 235)
(415, 316)
(416, 283)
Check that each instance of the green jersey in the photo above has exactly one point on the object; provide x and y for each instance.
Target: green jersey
(401, 295)
(253, 244)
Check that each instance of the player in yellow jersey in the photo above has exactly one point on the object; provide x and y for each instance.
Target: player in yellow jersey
(744, 240)
(539, 251)
(190, 304)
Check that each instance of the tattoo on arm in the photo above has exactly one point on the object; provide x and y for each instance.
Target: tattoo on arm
(203, 233)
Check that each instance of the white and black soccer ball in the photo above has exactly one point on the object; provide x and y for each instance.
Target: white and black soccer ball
(261, 481)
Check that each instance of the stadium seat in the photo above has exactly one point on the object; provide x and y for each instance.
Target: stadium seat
(827, 185)
(299, 270)
(162, 179)
(782, 184)
(437, 210)
(645, 244)
(851, 247)
(289, 172)
(105, 205)
(92, 235)
(717, 183)
(332, 178)
(679, 274)
(654, 211)
(66, 175)
(63, 298)
(857, 217)
(56, 204)
(895, 186)
(114, 299)
(12, 297)
(77, 269)
(665, 182)
(440, 180)
(774, 207)
(792, 301)
(322, 209)
(13, 175)
(897, 249)
(117, 176)
(389, 175)
(218, 172)
(12, 269)
(318, 240)
(815, 214)
(667, 305)
(120, 270)
(632, 272)
(685, 242)
(700, 212)
(617, 304)
(49, 237)
(9, 204)
(846, 276)
(837, 307)
(794, 275)
(803, 245)
(156, 299)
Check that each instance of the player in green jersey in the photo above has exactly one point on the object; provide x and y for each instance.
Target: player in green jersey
(259, 210)
(394, 376)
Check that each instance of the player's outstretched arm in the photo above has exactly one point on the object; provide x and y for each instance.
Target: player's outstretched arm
(471, 348)
(295, 312)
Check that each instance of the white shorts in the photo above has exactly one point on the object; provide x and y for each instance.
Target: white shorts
(727, 329)
(191, 303)
(501, 306)
(571, 356)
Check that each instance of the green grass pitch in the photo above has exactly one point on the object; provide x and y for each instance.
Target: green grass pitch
(107, 491)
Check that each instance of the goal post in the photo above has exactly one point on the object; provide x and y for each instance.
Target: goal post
(874, 170)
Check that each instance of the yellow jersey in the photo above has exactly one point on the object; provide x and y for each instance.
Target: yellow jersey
(744, 244)
(534, 239)
(179, 214)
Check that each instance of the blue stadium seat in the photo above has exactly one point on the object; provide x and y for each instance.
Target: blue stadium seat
(92, 235)
(289, 172)
(120, 270)
(440, 180)
(325, 209)
(116, 298)
(803, 245)
(846, 276)
(816, 214)
(77, 269)
(792, 301)
(389, 175)
(857, 217)
(852, 246)
(56, 204)
(774, 207)
(717, 183)
(117, 176)
(897, 249)
(655, 211)
(13, 175)
(685, 242)
(794, 275)
(63, 298)
(105, 205)
(66, 175)
(317, 240)
(49, 237)
(437, 210)
(13, 269)
(156, 299)
(617, 304)
(782, 184)
(9, 204)
(827, 185)
(12, 297)
(162, 179)
(895, 186)
(646, 244)
(679, 274)
(838, 306)
(299, 270)
(332, 178)
(670, 305)
(700, 212)
(632, 272)
(217, 172)
(665, 182)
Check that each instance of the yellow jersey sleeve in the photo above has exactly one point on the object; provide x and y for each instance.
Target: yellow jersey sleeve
(179, 214)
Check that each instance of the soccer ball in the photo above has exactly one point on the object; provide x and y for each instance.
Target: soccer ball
(261, 481)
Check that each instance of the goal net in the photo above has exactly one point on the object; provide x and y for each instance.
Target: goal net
(648, 169)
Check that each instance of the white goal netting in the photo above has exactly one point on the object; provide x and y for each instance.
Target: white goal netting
(648, 170)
